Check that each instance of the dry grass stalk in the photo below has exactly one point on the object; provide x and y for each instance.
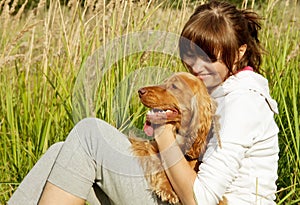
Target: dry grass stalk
(294, 53)
(2, 3)
(20, 11)
(28, 59)
(40, 7)
(13, 7)
(5, 16)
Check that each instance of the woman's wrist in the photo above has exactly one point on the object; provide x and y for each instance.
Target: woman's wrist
(171, 155)
(169, 149)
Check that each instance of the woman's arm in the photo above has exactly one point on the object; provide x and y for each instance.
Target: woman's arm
(180, 174)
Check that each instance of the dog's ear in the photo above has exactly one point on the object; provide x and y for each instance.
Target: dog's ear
(195, 117)
(216, 123)
(202, 114)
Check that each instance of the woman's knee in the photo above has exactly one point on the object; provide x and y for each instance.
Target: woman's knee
(89, 125)
(54, 149)
(98, 137)
(89, 128)
(56, 146)
(89, 133)
(95, 129)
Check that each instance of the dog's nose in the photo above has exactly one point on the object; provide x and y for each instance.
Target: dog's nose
(142, 92)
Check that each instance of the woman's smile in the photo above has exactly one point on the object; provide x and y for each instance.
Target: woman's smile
(212, 74)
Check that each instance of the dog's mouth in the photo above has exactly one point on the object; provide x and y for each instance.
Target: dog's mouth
(157, 116)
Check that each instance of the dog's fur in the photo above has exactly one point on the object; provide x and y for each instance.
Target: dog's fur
(192, 115)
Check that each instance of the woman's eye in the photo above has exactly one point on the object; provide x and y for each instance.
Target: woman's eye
(190, 55)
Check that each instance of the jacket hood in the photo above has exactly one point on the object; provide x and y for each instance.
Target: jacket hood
(246, 80)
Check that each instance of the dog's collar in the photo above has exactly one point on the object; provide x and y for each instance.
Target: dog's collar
(188, 158)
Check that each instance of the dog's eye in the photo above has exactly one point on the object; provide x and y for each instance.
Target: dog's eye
(174, 86)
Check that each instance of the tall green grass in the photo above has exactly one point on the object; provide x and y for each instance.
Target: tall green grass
(281, 37)
(44, 49)
(282, 42)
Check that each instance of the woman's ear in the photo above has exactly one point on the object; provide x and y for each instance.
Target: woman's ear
(242, 50)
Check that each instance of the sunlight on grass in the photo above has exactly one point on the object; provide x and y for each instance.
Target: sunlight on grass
(44, 48)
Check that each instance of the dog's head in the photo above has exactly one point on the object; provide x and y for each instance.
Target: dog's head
(182, 100)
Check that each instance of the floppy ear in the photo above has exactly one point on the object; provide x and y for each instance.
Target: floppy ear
(203, 109)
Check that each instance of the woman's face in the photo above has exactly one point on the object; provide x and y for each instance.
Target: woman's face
(212, 74)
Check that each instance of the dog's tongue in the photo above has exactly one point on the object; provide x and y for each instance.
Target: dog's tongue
(148, 129)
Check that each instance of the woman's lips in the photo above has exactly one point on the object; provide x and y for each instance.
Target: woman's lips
(203, 76)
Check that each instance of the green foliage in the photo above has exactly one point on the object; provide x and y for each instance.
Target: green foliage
(282, 69)
(44, 49)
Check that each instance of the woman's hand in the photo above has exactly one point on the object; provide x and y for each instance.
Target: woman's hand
(178, 170)
(164, 133)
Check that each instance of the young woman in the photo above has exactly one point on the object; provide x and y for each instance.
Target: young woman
(95, 162)
(225, 53)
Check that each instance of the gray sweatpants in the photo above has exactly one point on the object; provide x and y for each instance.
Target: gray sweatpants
(94, 163)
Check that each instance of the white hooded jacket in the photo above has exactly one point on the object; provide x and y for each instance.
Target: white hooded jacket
(244, 169)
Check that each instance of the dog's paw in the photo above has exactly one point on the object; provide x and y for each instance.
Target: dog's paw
(168, 195)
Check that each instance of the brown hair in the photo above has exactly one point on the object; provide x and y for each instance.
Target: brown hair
(219, 29)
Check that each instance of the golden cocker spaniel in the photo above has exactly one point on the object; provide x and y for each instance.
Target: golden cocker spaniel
(182, 100)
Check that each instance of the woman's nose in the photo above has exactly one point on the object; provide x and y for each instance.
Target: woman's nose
(195, 69)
